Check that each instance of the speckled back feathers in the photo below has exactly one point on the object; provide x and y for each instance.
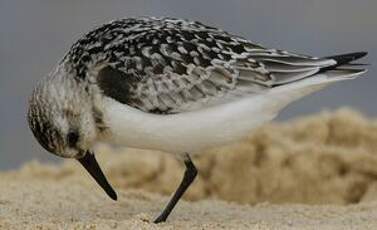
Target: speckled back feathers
(174, 65)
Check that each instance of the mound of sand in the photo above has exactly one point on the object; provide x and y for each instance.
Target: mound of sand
(323, 159)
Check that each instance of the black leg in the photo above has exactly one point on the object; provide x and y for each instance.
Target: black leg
(188, 178)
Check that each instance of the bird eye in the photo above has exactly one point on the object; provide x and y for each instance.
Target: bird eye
(72, 138)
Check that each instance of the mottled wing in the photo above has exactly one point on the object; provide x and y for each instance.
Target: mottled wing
(172, 66)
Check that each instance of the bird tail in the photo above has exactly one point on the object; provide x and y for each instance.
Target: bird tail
(336, 68)
(345, 59)
(341, 69)
(344, 68)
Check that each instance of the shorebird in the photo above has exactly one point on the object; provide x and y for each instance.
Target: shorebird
(172, 85)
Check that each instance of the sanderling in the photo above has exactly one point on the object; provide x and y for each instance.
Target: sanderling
(169, 84)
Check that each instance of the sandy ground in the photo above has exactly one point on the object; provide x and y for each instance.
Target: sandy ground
(318, 172)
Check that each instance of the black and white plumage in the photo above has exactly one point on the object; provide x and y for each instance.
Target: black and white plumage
(169, 84)
(173, 65)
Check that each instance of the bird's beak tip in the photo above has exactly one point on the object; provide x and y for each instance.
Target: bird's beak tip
(89, 162)
(114, 196)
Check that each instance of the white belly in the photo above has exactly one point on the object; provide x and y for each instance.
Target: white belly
(194, 131)
(186, 132)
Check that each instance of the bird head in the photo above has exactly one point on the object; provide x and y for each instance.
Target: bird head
(61, 118)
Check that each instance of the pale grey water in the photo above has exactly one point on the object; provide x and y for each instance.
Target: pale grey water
(35, 34)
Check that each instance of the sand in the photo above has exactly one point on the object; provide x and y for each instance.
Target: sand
(317, 172)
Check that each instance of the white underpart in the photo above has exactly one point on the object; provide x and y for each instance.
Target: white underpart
(192, 132)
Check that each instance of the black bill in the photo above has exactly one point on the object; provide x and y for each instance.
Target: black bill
(91, 165)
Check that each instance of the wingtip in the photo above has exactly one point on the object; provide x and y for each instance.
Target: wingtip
(349, 57)
(359, 55)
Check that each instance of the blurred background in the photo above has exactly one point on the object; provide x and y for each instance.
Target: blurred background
(34, 35)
